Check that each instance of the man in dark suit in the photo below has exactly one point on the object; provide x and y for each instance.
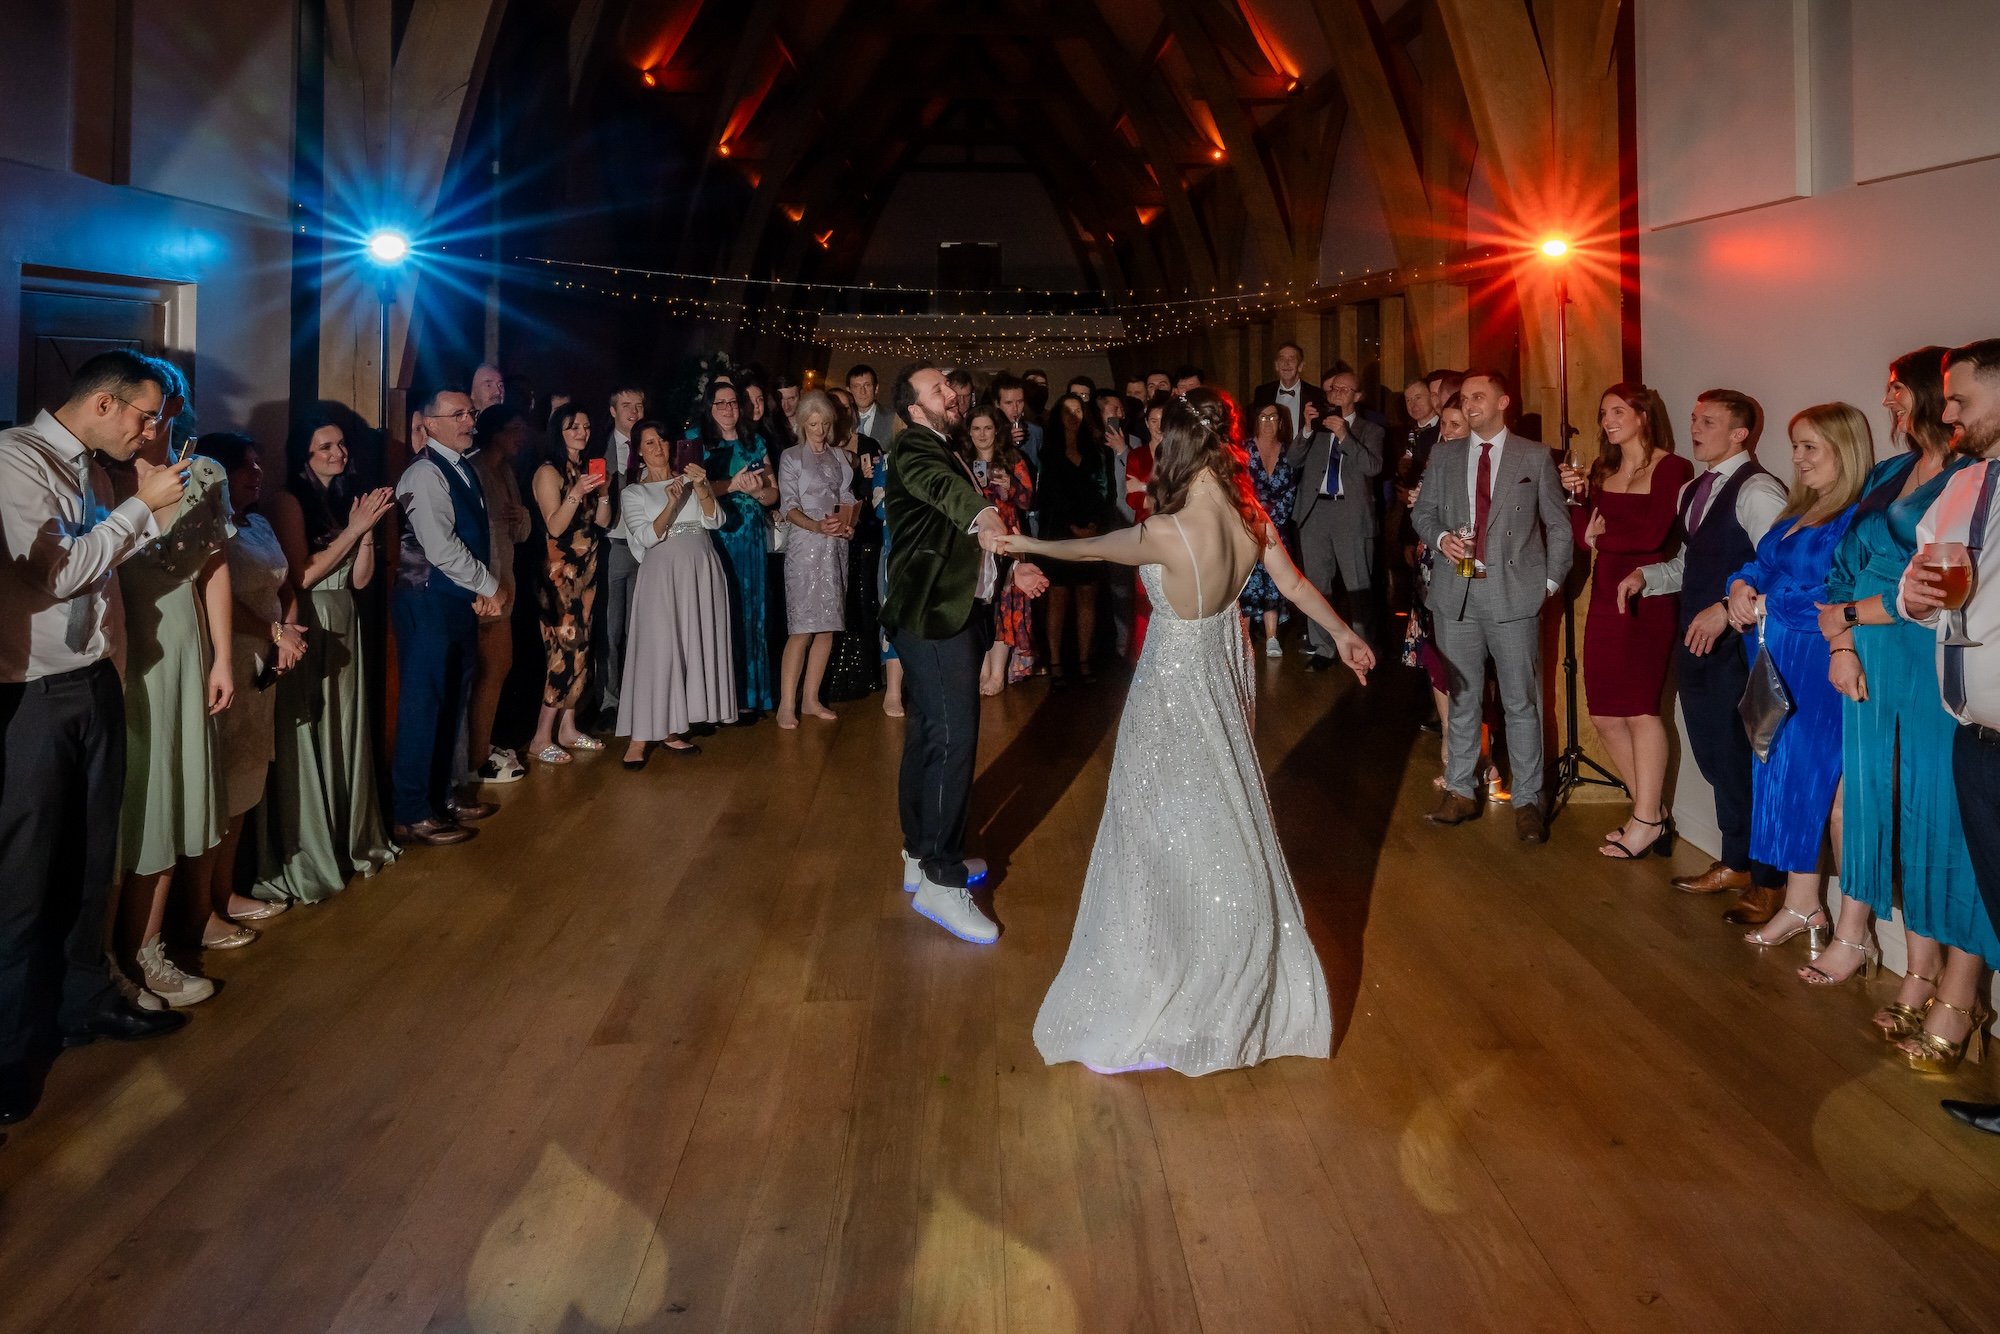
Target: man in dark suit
(1290, 392)
(1400, 476)
(943, 578)
(870, 417)
(1335, 510)
(1503, 489)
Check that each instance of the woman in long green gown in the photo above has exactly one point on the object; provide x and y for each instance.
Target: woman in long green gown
(178, 677)
(321, 822)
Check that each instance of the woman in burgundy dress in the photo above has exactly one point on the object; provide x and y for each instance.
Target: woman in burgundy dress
(1630, 518)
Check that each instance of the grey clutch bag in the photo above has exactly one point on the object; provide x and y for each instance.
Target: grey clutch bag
(1766, 703)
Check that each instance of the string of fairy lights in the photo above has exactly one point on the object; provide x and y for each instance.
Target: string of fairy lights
(989, 323)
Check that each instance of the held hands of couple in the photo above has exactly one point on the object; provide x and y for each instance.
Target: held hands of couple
(1360, 659)
(992, 533)
(486, 606)
(1631, 586)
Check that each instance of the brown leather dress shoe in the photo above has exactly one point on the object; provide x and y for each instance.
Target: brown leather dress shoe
(465, 812)
(1755, 906)
(434, 833)
(1712, 881)
(1454, 809)
(1530, 825)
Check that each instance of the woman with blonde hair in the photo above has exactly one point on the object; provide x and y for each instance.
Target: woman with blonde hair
(1778, 595)
(815, 485)
(1630, 517)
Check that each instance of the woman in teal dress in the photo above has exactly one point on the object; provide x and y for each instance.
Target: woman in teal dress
(321, 822)
(734, 455)
(1793, 791)
(1900, 803)
(179, 674)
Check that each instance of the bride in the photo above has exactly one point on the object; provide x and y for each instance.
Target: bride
(1189, 950)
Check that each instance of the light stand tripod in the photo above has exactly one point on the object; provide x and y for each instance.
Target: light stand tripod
(1573, 768)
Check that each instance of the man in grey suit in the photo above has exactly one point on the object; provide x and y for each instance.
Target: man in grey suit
(1505, 492)
(871, 418)
(1335, 510)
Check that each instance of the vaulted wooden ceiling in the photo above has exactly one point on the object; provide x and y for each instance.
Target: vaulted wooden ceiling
(1183, 141)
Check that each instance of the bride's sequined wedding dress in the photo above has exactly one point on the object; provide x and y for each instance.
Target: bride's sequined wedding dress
(1189, 950)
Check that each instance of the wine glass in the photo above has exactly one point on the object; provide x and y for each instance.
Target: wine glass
(1951, 565)
(1569, 461)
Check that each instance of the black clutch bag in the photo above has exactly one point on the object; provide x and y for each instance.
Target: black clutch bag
(1766, 703)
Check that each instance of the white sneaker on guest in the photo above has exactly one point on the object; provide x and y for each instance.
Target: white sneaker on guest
(135, 995)
(168, 982)
(913, 872)
(954, 910)
(501, 767)
(1272, 648)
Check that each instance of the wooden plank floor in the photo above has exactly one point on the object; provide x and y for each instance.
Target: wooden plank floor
(670, 1051)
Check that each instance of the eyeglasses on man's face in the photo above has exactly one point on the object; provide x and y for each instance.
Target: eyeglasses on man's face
(152, 417)
(462, 415)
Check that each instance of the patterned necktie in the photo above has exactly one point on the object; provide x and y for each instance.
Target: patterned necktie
(1698, 502)
(83, 607)
(1975, 538)
(1482, 504)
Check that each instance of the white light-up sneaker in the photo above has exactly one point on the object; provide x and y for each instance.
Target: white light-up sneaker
(954, 910)
(913, 872)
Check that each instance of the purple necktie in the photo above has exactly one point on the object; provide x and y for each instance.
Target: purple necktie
(1698, 503)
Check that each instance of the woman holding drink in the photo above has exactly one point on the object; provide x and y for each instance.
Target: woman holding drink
(1900, 802)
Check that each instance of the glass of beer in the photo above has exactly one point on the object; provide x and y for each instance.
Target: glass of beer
(1468, 564)
(1951, 565)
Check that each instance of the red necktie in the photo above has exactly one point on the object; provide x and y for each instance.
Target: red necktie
(634, 465)
(1482, 503)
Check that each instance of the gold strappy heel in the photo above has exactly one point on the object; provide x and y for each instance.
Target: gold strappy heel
(1871, 959)
(1929, 1054)
(1904, 1020)
(1816, 933)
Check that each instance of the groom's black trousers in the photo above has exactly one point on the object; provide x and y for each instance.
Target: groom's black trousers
(940, 743)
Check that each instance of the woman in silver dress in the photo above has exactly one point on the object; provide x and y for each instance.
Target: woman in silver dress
(815, 485)
(1190, 950)
(680, 670)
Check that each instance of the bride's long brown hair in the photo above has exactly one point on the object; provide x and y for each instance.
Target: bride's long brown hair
(1198, 430)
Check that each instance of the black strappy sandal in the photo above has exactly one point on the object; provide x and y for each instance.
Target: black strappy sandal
(1663, 842)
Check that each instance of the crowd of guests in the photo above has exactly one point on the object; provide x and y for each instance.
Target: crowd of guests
(184, 645)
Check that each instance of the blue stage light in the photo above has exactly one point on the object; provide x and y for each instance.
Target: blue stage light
(388, 247)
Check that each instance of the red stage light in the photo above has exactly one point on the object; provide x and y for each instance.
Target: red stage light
(1555, 247)
(649, 78)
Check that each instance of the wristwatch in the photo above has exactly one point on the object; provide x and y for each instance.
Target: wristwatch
(1851, 612)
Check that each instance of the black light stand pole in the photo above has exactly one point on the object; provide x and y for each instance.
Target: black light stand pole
(1574, 769)
(385, 292)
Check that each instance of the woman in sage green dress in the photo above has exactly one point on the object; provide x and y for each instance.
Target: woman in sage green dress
(321, 821)
(178, 676)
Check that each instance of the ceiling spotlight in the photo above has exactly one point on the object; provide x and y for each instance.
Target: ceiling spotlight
(723, 148)
(388, 247)
(1215, 154)
(650, 77)
(1555, 247)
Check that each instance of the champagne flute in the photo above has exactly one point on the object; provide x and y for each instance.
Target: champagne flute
(1951, 565)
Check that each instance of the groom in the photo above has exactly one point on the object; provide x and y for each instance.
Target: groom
(943, 578)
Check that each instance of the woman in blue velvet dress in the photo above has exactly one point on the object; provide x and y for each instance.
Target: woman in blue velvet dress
(738, 465)
(1793, 792)
(1900, 807)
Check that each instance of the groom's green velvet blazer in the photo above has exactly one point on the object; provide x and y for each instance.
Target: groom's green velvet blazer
(933, 556)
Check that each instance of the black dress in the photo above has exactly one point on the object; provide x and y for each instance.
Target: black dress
(1072, 495)
(854, 671)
